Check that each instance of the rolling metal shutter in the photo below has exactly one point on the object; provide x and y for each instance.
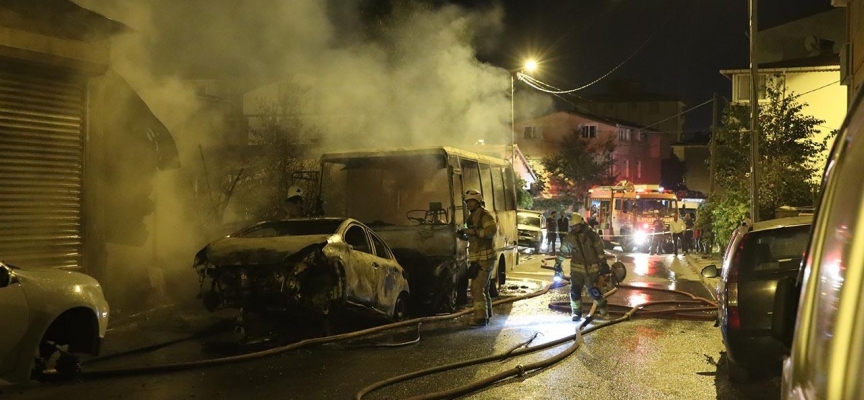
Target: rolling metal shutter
(41, 167)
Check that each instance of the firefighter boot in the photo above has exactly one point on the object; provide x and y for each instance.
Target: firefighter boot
(576, 310)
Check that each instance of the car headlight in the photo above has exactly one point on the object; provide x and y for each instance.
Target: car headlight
(201, 259)
(639, 237)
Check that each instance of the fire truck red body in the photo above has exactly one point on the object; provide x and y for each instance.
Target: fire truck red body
(624, 214)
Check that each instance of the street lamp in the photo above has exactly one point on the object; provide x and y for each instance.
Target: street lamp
(530, 66)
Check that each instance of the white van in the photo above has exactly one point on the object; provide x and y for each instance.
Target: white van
(827, 353)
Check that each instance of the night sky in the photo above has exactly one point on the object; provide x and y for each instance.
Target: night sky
(677, 46)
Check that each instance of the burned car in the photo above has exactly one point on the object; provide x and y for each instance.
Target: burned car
(303, 267)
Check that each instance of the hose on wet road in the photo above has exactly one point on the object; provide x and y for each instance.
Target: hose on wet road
(576, 339)
(181, 366)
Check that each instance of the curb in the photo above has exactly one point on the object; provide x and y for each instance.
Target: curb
(697, 262)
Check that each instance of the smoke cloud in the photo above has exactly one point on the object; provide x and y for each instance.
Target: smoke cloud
(372, 74)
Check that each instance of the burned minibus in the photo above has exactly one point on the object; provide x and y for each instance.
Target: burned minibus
(413, 199)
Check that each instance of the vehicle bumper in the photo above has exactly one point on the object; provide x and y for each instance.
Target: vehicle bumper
(756, 352)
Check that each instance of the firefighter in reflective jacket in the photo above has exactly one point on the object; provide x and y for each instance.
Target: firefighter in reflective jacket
(480, 233)
(587, 257)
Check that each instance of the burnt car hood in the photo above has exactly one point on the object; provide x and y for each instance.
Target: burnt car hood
(258, 251)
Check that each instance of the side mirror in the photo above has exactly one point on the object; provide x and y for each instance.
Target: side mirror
(785, 310)
(710, 271)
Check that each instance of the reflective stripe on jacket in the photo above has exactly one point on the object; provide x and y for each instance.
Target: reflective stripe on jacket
(584, 248)
(481, 246)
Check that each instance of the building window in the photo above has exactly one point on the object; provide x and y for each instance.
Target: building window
(624, 135)
(626, 168)
(532, 132)
(639, 136)
(741, 90)
(588, 131)
(638, 169)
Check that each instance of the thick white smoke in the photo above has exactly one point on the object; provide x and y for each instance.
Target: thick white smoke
(370, 77)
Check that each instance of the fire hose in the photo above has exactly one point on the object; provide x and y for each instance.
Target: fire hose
(520, 370)
(517, 371)
(163, 368)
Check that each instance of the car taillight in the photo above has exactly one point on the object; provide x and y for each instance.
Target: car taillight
(732, 317)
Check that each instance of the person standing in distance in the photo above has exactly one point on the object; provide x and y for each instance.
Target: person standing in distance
(677, 227)
(481, 232)
(292, 207)
(563, 226)
(585, 249)
(551, 231)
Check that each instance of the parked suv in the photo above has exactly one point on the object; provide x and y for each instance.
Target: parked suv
(827, 354)
(532, 229)
(756, 258)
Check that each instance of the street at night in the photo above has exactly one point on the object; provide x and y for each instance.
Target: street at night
(431, 199)
(656, 357)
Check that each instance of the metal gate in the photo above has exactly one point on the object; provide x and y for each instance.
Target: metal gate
(42, 121)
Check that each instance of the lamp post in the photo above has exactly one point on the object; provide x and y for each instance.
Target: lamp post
(530, 66)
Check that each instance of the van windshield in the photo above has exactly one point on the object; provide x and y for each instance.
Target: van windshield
(382, 190)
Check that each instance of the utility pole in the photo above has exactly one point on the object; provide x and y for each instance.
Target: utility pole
(512, 122)
(712, 148)
(754, 116)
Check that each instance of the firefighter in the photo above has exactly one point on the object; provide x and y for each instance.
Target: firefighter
(587, 259)
(292, 207)
(480, 233)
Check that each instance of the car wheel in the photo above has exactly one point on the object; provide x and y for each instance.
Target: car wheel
(54, 363)
(737, 373)
(626, 247)
(493, 288)
(450, 300)
(400, 309)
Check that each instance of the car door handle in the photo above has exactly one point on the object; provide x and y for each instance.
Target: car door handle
(375, 265)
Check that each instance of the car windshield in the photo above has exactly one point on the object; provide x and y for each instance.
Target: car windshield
(291, 228)
(528, 219)
(774, 250)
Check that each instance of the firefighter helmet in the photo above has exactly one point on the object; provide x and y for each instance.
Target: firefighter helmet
(472, 194)
(576, 219)
(295, 191)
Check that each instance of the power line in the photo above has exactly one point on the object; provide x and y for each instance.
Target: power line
(681, 113)
(819, 88)
(544, 87)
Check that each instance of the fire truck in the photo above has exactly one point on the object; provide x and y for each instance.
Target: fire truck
(624, 214)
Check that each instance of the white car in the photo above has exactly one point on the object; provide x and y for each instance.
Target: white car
(48, 316)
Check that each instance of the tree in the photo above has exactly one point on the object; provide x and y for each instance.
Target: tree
(789, 159)
(279, 145)
(672, 173)
(524, 200)
(579, 165)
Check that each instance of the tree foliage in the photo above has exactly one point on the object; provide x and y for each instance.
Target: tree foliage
(524, 200)
(789, 156)
(279, 142)
(579, 165)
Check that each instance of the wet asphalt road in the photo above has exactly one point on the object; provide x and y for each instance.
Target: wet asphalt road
(644, 358)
